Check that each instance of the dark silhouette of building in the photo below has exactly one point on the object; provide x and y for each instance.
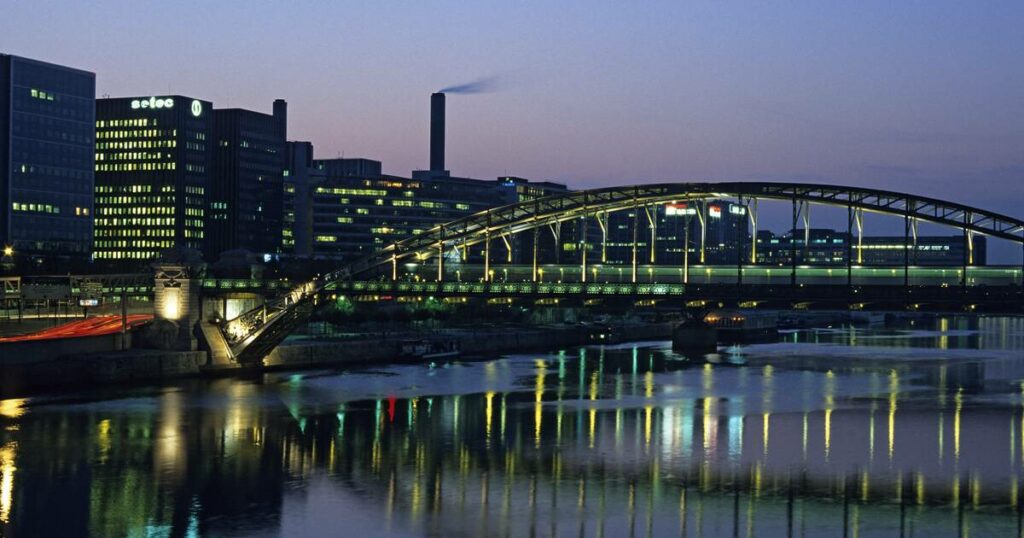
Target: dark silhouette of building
(823, 246)
(244, 200)
(300, 178)
(47, 113)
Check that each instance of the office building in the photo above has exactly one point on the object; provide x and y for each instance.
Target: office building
(354, 216)
(47, 113)
(820, 246)
(244, 199)
(301, 177)
(154, 159)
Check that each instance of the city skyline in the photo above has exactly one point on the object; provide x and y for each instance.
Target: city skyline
(916, 98)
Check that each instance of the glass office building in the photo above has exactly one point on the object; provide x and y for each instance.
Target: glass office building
(153, 165)
(46, 160)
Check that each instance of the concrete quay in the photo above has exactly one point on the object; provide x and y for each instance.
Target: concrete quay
(98, 363)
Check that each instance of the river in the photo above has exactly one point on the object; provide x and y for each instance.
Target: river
(915, 429)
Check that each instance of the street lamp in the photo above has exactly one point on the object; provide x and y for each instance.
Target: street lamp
(7, 261)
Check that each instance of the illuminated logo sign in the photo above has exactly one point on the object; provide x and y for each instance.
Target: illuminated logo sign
(197, 108)
(737, 210)
(153, 102)
(678, 210)
(714, 211)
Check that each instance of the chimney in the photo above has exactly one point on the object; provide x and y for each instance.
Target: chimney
(281, 115)
(437, 132)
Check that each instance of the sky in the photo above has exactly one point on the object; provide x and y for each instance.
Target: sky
(925, 97)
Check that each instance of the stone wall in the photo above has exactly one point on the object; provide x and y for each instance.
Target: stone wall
(101, 368)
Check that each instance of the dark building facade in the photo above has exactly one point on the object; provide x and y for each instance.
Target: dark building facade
(709, 231)
(822, 246)
(154, 160)
(245, 196)
(353, 216)
(47, 113)
(301, 177)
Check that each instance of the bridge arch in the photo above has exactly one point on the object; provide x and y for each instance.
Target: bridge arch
(511, 219)
(253, 334)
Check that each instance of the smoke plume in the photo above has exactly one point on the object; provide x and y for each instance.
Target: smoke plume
(480, 85)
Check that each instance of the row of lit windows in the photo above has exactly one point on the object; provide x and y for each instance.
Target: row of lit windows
(40, 94)
(133, 200)
(138, 144)
(193, 234)
(194, 189)
(135, 167)
(134, 232)
(195, 168)
(101, 189)
(145, 255)
(355, 192)
(132, 122)
(137, 133)
(135, 243)
(135, 210)
(133, 156)
(149, 221)
(47, 208)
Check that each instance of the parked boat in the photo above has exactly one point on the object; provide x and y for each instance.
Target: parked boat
(743, 326)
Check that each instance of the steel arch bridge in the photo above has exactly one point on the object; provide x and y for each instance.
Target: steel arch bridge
(255, 333)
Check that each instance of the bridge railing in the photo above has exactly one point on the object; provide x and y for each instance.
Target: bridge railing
(717, 274)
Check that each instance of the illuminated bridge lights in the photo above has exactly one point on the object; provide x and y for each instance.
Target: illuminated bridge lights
(495, 233)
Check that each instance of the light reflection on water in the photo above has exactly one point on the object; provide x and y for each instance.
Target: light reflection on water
(867, 431)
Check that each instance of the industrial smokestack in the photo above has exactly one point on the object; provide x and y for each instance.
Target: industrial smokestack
(437, 132)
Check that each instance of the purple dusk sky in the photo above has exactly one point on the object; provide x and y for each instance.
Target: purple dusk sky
(918, 96)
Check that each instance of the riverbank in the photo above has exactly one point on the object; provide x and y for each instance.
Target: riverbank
(151, 366)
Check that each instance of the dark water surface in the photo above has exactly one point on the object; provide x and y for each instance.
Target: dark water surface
(916, 430)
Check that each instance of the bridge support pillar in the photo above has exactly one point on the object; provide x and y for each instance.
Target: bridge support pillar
(176, 306)
(636, 228)
(686, 249)
(583, 251)
(440, 257)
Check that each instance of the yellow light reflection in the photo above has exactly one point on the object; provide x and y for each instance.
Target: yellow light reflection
(103, 439)
(538, 398)
(709, 425)
(765, 418)
(830, 400)
(12, 408)
(489, 398)
(647, 425)
(865, 486)
(959, 399)
(894, 390)
(7, 470)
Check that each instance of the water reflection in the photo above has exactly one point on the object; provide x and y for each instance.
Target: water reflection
(798, 438)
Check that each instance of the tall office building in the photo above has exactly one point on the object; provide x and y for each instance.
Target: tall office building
(46, 160)
(245, 197)
(300, 178)
(154, 158)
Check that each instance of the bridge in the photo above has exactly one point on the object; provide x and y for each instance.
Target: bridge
(476, 256)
